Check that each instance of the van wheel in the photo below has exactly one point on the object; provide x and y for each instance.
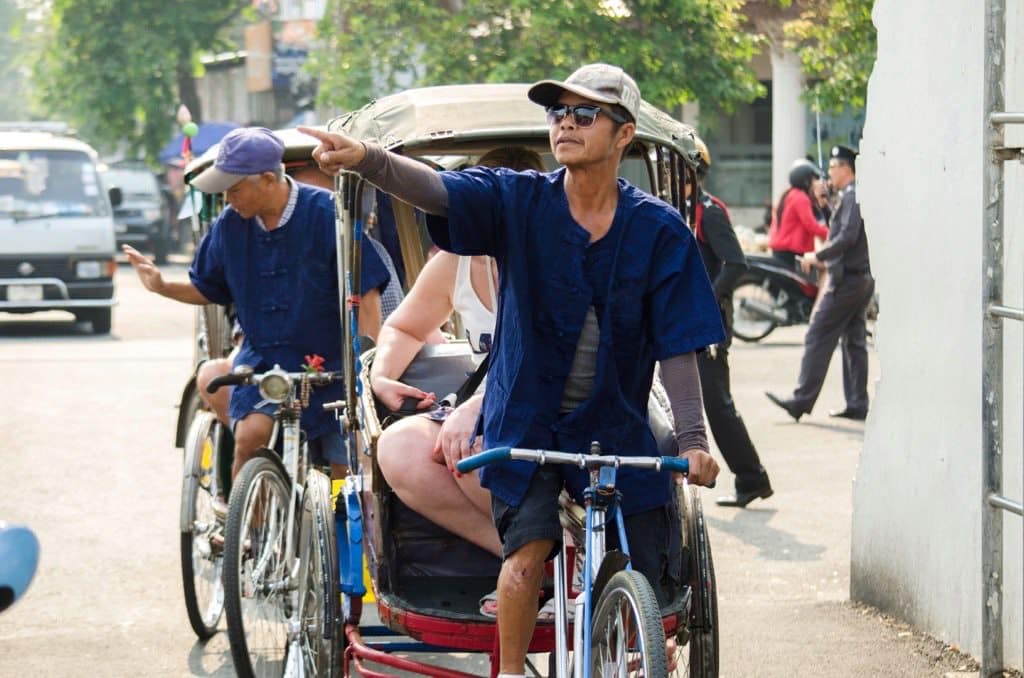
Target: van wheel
(100, 319)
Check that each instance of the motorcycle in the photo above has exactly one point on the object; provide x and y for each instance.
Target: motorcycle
(770, 295)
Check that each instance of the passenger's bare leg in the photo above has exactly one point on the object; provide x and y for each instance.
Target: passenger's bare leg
(429, 488)
(518, 584)
(217, 402)
(251, 434)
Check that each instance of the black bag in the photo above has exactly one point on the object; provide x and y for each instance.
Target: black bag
(447, 370)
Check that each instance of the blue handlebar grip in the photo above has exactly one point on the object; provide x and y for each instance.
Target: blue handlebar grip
(482, 459)
(681, 465)
(676, 464)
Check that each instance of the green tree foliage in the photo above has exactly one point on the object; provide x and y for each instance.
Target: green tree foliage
(117, 69)
(14, 104)
(837, 43)
(678, 50)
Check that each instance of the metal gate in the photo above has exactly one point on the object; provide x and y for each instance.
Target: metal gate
(996, 314)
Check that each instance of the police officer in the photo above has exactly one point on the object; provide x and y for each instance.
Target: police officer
(725, 263)
(841, 312)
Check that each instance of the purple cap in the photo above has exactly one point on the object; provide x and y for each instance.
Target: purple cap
(242, 152)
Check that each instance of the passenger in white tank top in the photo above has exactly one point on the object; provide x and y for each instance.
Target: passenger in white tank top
(410, 451)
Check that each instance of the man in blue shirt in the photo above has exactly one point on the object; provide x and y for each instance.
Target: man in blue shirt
(599, 281)
(272, 254)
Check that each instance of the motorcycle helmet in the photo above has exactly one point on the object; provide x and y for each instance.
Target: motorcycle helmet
(703, 157)
(802, 173)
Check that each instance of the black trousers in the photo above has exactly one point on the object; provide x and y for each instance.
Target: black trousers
(839, 318)
(726, 424)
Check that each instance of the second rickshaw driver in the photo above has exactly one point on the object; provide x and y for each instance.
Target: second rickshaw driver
(599, 281)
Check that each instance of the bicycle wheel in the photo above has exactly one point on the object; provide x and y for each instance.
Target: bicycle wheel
(201, 557)
(696, 652)
(258, 593)
(318, 580)
(627, 638)
(748, 297)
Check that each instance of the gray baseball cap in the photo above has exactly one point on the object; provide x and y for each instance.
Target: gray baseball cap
(242, 152)
(603, 83)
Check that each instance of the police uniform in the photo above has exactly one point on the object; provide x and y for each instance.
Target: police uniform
(725, 262)
(840, 315)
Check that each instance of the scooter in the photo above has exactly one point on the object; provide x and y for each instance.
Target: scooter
(770, 295)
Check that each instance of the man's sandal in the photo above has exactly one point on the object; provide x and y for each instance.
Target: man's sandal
(489, 604)
(547, 611)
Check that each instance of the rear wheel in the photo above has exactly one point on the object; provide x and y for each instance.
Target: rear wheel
(627, 638)
(318, 580)
(697, 649)
(201, 548)
(258, 593)
(748, 295)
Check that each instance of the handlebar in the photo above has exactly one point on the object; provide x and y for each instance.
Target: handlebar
(583, 461)
(244, 375)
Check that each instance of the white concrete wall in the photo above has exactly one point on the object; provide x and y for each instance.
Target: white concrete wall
(917, 495)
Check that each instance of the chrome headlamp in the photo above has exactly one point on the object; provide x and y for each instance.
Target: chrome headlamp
(275, 385)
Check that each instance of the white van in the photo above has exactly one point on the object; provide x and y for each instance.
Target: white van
(56, 226)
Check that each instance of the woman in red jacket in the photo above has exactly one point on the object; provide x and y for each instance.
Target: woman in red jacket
(794, 225)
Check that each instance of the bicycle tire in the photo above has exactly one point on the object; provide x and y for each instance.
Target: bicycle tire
(752, 330)
(318, 580)
(257, 595)
(627, 611)
(698, 650)
(201, 563)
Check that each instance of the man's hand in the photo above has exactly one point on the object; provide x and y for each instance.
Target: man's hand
(393, 393)
(453, 440)
(809, 261)
(703, 467)
(149, 274)
(335, 152)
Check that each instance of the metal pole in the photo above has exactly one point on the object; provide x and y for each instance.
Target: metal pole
(992, 349)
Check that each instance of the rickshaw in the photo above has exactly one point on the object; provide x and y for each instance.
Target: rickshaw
(206, 443)
(426, 581)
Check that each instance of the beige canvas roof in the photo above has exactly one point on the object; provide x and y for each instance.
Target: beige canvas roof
(457, 119)
(433, 120)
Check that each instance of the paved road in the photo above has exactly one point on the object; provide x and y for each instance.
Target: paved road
(86, 443)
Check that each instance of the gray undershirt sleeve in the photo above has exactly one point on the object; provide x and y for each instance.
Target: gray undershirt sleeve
(408, 180)
(682, 384)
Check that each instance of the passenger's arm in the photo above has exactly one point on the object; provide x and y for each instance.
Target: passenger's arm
(153, 280)
(427, 306)
(409, 180)
(682, 384)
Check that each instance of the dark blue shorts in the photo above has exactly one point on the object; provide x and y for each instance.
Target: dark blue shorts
(327, 448)
(655, 538)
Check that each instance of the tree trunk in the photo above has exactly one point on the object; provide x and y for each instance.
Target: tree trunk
(187, 92)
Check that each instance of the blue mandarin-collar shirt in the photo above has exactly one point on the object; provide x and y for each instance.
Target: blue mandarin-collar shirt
(651, 295)
(284, 285)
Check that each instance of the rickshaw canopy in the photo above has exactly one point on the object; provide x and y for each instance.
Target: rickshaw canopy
(437, 120)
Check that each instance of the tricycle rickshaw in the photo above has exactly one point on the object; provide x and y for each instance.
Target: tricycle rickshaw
(426, 581)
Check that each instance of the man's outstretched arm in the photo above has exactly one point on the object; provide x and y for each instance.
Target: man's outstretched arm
(408, 180)
(153, 280)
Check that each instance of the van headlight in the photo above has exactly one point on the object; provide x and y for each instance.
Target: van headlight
(89, 269)
(275, 385)
(151, 214)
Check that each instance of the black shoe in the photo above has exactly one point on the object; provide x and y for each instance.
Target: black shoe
(789, 405)
(849, 413)
(741, 499)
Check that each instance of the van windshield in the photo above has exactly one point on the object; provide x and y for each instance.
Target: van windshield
(49, 183)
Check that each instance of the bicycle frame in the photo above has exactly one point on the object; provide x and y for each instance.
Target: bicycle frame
(601, 501)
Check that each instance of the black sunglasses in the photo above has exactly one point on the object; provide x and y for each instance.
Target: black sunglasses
(583, 115)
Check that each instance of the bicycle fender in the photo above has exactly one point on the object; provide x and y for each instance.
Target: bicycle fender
(614, 561)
